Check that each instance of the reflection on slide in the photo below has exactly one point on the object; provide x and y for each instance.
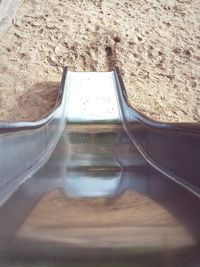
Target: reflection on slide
(98, 183)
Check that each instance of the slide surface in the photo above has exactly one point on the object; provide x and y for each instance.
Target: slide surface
(97, 182)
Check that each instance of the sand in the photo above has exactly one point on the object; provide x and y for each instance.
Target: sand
(7, 12)
(155, 43)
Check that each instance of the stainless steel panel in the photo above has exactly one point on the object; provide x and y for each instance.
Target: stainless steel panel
(97, 200)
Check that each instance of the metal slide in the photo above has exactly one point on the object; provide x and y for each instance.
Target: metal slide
(96, 182)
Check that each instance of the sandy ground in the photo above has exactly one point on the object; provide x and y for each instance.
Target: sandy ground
(7, 12)
(155, 44)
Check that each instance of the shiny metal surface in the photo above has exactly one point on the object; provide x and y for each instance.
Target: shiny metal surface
(26, 146)
(92, 97)
(117, 189)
